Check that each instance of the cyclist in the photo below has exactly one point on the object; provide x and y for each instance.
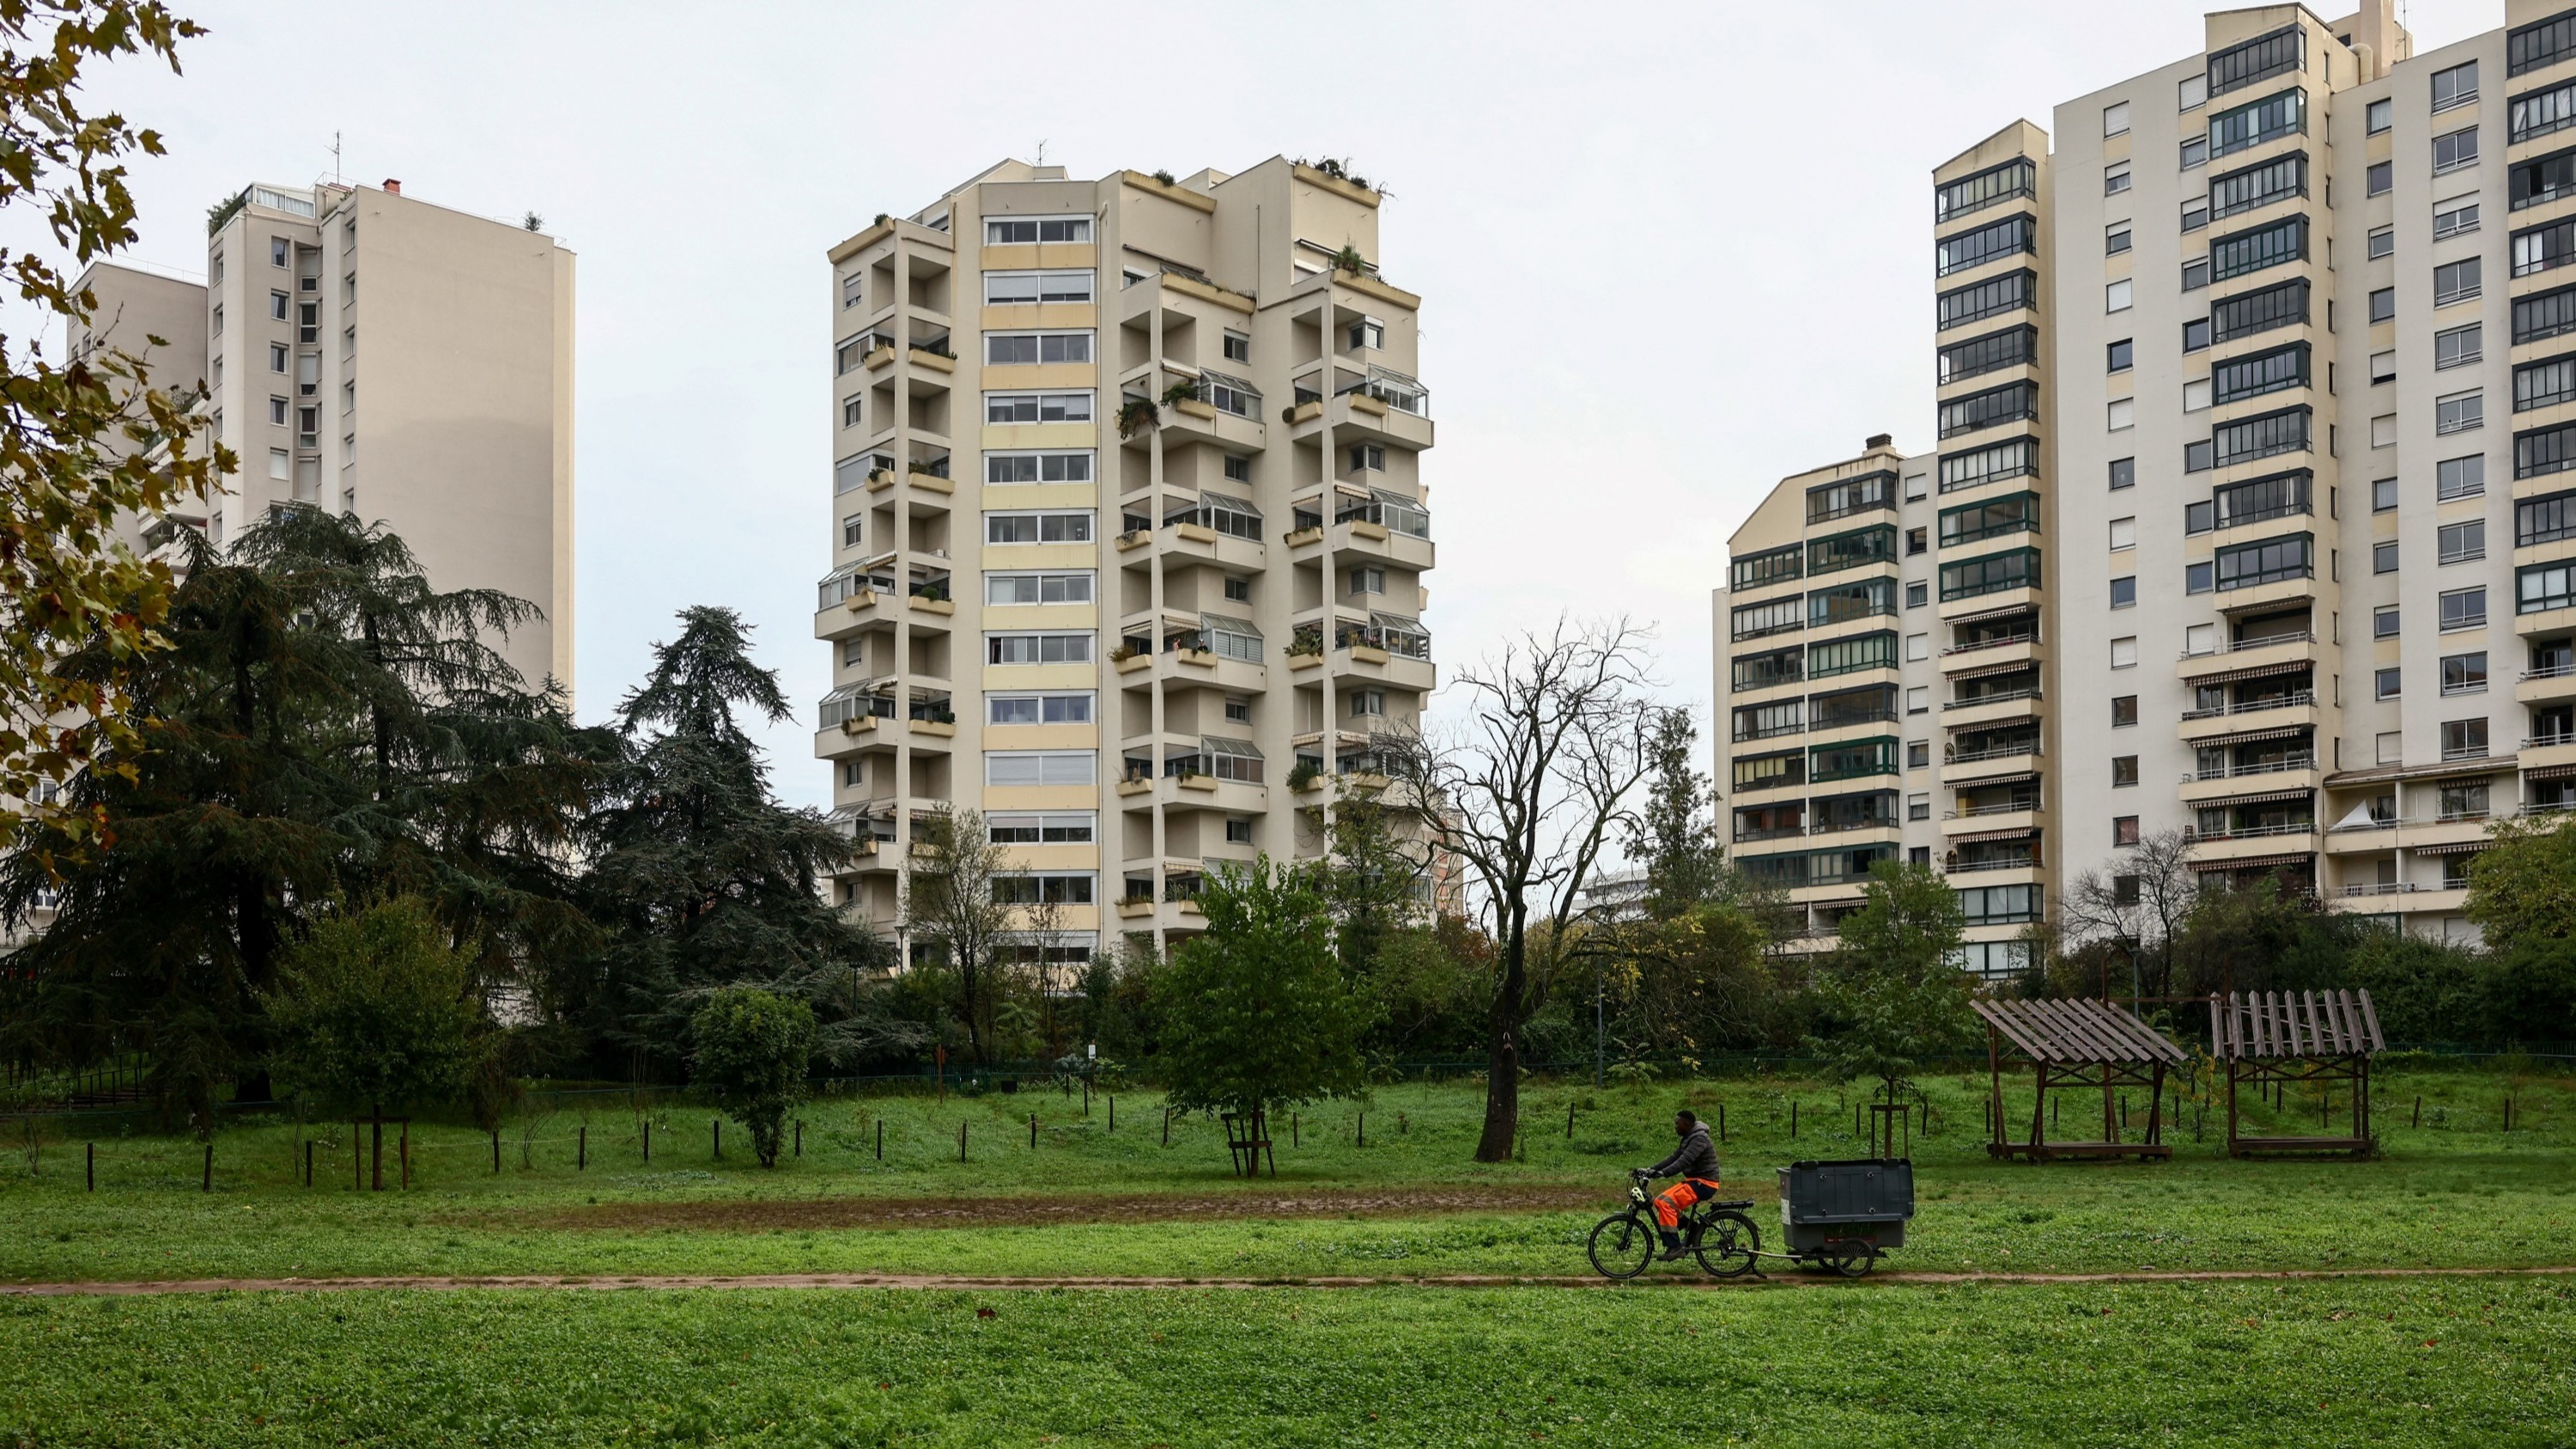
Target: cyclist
(1695, 1162)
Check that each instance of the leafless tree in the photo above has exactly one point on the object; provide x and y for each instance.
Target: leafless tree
(2140, 900)
(1532, 792)
(950, 902)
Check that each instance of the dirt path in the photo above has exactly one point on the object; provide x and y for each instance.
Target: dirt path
(1056, 1210)
(968, 1282)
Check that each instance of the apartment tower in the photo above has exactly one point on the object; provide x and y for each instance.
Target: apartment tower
(2304, 560)
(1129, 531)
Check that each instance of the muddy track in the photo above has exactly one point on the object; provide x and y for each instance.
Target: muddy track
(769, 1214)
(969, 1283)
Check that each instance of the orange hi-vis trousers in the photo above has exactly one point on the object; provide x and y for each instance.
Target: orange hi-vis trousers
(1672, 1200)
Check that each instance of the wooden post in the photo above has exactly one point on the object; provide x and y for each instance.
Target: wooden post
(1167, 1126)
(1569, 1121)
(210, 1166)
(93, 1167)
(2419, 1111)
(581, 1150)
(496, 1152)
(1721, 1121)
(1113, 1114)
(880, 1139)
(648, 1139)
(1363, 1129)
(715, 1135)
(376, 1154)
(1793, 1121)
(308, 1162)
(404, 1148)
(1293, 1142)
(800, 1137)
(1033, 1131)
(961, 1142)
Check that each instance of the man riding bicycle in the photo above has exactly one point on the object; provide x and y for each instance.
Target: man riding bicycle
(1695, 1162)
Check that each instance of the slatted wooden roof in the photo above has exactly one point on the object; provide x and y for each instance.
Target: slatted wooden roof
(2272, 1024)
(2078, 1032)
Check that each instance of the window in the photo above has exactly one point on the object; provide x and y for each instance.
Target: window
(1367, 703)
(2383, 557)
(2381, 115)
(1037, 407)
(1238, 711)
(2269, 54)
(1918, 807)
(1752, 621)
(2262, 436)
(1025, 349)
(2542, 179)
(1990, 574)
(1238, 470)
(2124, 830)
(853, 528)
(277, 411)
(1367, 458)
(2240, 378)
(2115, 178)
(2124, 592)
(2383, 622)
(1771, 566)
(1366, 579)
(1368, 334)
(2016, 178)
(1852, 655)
(2460, 477)
(2123, 414)
(277, 357)
(1918, 701)
(2199, 578)
(2459, 412)
(2199, 518)
(2248, 126)
(1035, 527)
(1917, 540)
(2383, 241)
(1867, 493)
(2192, 92)
(2124, 653)
(2457, 281)
(1239, 591)
(1856, 549)
(2256, 499)
(2198, 457)
(2236, 255)
(1065, 829)
(1035, 709)
(2383, 304)
(1994, 518)
(2124, 473)
(1037, 648)
(2195, 335)
(1992, 297)
(1065, 588)
(2383, 431)
(1918, 755)
(1023, 231)
(2544, 450)
(2379, 179)
(2456, 86)
(2464, 673)
(2544, 248)
(2124, 533)
(2386, 683)
(2459, 346)
(2122, 355)
(2247, 313)
(1996, 461)
(1993, 352)
(2195, 213)
(2115, 118)
(2117, 296)
(2539, 113)
(2013, 234)
(1918, 646)
(2464, 542)
(1062, 888)
(2195, 152)
(279, 463)
(2544, 586)
(853, 410)
(1238, 348)
(2547, 519)
(1002, 289)
(2195, 274)
(1917, 594)
(1916, 486)
(2270, 561)
(2456, 216)
(2013, 402)
(2124, 711)
(1012, 468)
(847, 357)
(2455, 150)
(2115, 238)
(217, 327)
(2383, 367)
(2464, 739)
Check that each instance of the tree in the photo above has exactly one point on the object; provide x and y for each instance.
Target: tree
(749, 1050)
(1675, 833)
(1893, 999)
(88, 447)
(2138, 905)
(1909, 923)
(1256, 1011)
(1532, 796)
(2523, 887)
(1376, 857)
(957, 902)
(703, 880)
(374, 1009)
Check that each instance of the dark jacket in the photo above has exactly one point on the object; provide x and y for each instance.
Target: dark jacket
(1694, 1158)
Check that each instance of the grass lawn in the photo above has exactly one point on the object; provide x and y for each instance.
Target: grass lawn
(2387, 1364)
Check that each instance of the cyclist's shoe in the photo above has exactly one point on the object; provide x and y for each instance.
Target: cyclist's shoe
(1674, 1248)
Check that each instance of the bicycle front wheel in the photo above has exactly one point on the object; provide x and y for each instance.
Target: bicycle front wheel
(1729, 1246)
(1622, 1246)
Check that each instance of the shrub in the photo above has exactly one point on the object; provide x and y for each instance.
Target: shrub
(750, 1049)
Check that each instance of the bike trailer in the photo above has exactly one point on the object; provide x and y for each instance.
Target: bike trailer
(1865, 1200)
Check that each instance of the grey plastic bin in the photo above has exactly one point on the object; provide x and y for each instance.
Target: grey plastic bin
(1867, 1199)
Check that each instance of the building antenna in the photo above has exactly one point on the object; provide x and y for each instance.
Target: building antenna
(335, 158)
(1041, 151)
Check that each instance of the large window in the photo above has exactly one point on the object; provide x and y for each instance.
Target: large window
(2011, 236)
(2010, 403)
(1023, 349)
(1065, 588)
(1992, 297)
(1072, 467)
(1990, 187)
(2257, 186)
(2545, 383)
(2268, 435)
(2455, 85)
(2275, 52)
(1034, 648)
(2240, 378)
(2292, 556)
(1769, 721)
(2543, 42)
(2543, 179)
(2000, 905)
(2544, 450)
(1002, 289)
(2257, 499)
(1037, 527)
(1868, 704)
(2012, 347)
(2544, 248)
(1770, 772)
(2247, 313)
(2250, 125)
(1991, 574)
(1848, 496)
(2458, 281)
(1850, 760)
(2544, 586)
(1037, 407)
(2014, 459)
(1764, 671)
(1053, 888)
(2013, 513)
(1068, 828)
(2550, 518)
(1015, 231)
(1770, 566)
(1232, 517)
(2544, 315)
(1752, 621)
(1042, 767)
(1072, 707)
(1850, 656)
(1863, 599)
(1856, 549)
(2285, 240)
(2539, 113)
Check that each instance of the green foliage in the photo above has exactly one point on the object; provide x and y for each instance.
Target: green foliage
(1675, 833)
(1697, 981)
(1908, 924)
(373, 1011)
(1893, 1001)
(2523, 887)
(749, 1051)
(2532, 994)
(1256, 1012)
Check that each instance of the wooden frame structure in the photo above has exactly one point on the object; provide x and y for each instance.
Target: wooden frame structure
(2272, 1039)
(2077, 1045)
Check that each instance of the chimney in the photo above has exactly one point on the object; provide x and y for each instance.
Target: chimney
(1879, 440)
(392, 187)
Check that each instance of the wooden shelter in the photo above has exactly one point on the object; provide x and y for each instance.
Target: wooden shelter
(2275, 1039)
(2077, 1045)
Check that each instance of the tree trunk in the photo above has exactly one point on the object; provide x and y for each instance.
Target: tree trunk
(1503, 1058)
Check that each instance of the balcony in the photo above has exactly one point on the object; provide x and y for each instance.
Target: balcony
(1992, 761)
(2286, 711)
(2547, 684)
(2252, 843)
(1224, 413)
(1996, 653)
(2228, 656)
(2292, 771)
(1388, 529)
(1991, 706)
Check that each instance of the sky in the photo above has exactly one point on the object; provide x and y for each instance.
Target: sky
(1666, 256)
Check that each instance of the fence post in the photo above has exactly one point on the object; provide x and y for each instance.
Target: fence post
(1793, 1121)
(581, 1150)
(1363, 1140)
(880, 1139)
(1292, 1125)
(1033, 1131)
(210, 1166)
(93, 1167)
(1113, 1114)
(1569, 1121)
(648, 1139)
(961, 1142)
(1721, 1121)
(308, 1162)
(715, 1134)
(800, 1136)
(496, 1151)
(2419, 1111)
(1167, 1126)
(403, 1149)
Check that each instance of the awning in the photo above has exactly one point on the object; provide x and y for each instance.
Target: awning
(2006, 612)
(1987, 782)
(2258, 862)
(2018, 666)
(2550, 772)
(2457, 847)
(1239, 749)
(1980, 837)
(2252, 736)
(1231, 505)
(1223, 624)
(2258, 671)
(2262, 799)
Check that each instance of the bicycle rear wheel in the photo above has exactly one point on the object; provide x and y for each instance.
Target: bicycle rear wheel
(1622, 1245)
(1728, 1246)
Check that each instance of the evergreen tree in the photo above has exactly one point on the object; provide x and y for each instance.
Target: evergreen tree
(1674, 835)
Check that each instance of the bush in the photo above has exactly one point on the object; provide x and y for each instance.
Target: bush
(373, 1011)
(750, 1050)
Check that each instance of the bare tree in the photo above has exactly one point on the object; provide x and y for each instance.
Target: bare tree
(950, 901)
(2140, 901)
(1534, 790)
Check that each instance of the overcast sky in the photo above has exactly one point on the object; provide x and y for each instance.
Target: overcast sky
(1667, 255)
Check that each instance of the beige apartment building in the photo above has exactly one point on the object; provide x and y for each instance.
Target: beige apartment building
(460, 439)
(2283, 423)
(1129, 530)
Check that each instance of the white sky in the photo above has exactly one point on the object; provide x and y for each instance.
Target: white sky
(1667, 258)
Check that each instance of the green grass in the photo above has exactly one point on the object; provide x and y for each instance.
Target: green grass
(2455, 1192)
(2383, 1364)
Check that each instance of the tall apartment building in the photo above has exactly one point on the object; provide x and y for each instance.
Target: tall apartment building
(1129, 530)
(461, 439)
(2302, 568)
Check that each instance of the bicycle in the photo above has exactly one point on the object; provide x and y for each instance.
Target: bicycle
(1718, 1234)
